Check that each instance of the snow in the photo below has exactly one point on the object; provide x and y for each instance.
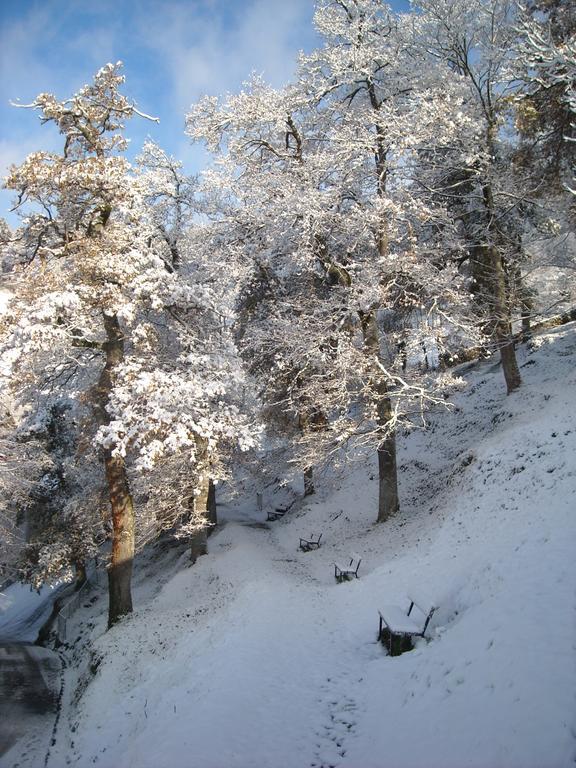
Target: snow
(23, 611)
(396, 618)
(257, 657)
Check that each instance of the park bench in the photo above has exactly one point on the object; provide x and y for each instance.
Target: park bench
(397, 627)
(276, 514)
(347, 572)
(306, 545)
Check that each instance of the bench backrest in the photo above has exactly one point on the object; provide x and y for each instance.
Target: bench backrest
(424, 604)
(355, 559)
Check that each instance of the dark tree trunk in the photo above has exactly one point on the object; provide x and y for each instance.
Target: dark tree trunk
(498, 303)
(199, 502)
(212, 513)
(502, 333)
(308, 481)
(122, 508)
(199, 539)
(80, 579)
(388, 499)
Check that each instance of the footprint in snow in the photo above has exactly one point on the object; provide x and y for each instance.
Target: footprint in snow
(340, 724)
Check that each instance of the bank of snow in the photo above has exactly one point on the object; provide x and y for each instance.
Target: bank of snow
(256, 657)
(24, 610)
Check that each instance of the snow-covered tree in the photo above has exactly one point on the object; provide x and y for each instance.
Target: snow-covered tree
(475, 39)
(170, 196)
(342, 243)
(546, 107)
(96, 286)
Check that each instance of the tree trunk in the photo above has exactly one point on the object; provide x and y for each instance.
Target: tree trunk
(80, 577)
(502, 333)
(388, 500)
(309, 481)
(525, 302)
(120, 568)
(122, 508)
(199, 539)
(498, 301)
(199, 501)
(211, 509)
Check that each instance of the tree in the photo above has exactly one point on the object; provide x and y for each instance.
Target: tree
(97, 286)
(385, 105)
(343, 242)
(475, 40)
(546, 106)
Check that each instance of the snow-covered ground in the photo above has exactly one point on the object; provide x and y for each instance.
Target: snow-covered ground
(256, 658)
(23, 611)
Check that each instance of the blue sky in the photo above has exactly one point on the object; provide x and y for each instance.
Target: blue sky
(173, 51)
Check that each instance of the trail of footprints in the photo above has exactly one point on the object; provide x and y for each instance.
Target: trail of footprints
(332, 737)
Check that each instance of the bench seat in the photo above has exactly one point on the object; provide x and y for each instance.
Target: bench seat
(397, 621)
(344, 567)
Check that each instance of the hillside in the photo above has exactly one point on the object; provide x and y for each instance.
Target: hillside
(255, 657)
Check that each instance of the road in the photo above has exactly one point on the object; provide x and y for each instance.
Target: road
(29, 690)
(30, 678)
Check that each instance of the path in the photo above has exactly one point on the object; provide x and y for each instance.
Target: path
(29, 691)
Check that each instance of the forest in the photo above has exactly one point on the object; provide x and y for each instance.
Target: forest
(406, 204)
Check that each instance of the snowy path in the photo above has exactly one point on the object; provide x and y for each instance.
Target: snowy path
(29, 690)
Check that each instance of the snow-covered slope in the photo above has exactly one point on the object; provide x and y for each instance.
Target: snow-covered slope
(256, 658)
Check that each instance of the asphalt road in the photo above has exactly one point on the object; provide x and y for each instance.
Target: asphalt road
(29, 689)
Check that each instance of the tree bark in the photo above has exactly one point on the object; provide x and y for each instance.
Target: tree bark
(525, 302)
(388, 499)
(309, 481)
(199, 539)
(122, 508)
(502, 330)
(211, 509)
(80, 574)
(120, 568)
(498, 300)
(199, 502)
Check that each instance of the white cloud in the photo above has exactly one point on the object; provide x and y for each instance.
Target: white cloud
(175, 51)
(214, 55)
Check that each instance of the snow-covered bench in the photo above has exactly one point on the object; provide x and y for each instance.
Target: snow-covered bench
(312, 543)
(346, 572)
(397, 627)
(276, 514)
